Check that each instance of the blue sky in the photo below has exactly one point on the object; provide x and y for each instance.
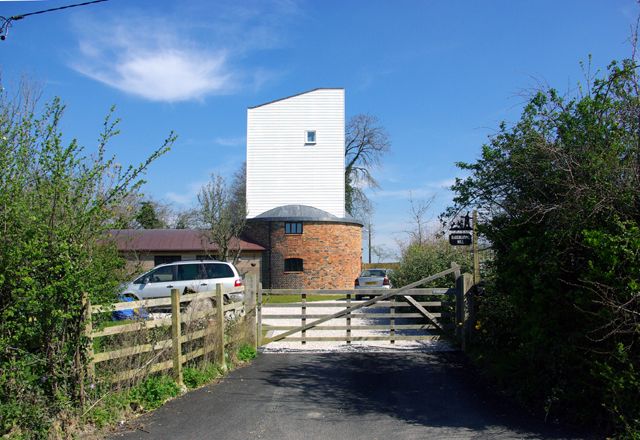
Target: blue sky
(440, 76)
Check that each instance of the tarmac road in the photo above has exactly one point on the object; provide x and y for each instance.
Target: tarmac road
(343, 396)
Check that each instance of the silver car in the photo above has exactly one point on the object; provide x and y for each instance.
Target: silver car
(378, 278)
(188, 277)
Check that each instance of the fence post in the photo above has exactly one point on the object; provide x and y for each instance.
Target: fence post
(348, 319)
(464, 283)
(176, 336)
(259, 313)
(251, 288)
(456, 269)
(220, 325)
(88, 329)
(392, 319)
(303, 319)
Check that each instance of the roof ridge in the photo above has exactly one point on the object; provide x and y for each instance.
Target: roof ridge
(297, 94)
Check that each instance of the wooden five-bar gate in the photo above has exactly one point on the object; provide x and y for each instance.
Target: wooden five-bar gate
(407, 313)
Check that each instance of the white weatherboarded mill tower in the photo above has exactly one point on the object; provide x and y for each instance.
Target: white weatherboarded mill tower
(295, 153)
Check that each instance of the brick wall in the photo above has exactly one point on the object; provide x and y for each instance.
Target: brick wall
(331, 253)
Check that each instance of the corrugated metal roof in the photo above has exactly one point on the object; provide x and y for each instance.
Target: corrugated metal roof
(302, 213)
(171, 240)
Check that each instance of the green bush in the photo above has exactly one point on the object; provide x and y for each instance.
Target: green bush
(153, 392)
(419, 260)
(57, 206)
(246, 352)
(558, 193)
(195, 377)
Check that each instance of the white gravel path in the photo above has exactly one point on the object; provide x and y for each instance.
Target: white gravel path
(285, 346)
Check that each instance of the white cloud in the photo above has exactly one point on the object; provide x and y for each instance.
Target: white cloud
(165, 75)
(147, 59)
(186, 55)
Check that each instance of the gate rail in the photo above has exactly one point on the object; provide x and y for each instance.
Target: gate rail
(400, 303)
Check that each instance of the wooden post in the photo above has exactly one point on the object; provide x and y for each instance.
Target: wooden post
(392, 319)
(220, 326)
(259, 315)
(456, 270)
(90, 366)
(476, 255)
(176, 336)
(348, 319)
(88, 330)
(250, 291)
(464, 284)
(459, 319)
(304, 316)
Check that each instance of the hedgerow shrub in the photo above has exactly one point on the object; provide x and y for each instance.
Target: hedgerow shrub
(57, 203)
(420, 260)
(559, 194)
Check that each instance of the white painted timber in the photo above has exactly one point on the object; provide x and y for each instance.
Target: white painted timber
(281, 168)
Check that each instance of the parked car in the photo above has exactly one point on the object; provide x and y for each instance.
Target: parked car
(188, 277)
(378, 278)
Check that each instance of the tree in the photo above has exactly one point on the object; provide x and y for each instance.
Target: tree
(56, 208)
(559, 193)
(222, 213)
(418, 210)
(366, 141)
(147, 216)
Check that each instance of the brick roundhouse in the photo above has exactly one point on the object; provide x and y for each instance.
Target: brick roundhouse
(307, 248)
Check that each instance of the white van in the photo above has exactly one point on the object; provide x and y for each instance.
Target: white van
(188, 277)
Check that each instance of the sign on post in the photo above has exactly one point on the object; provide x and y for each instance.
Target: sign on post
(460, 239)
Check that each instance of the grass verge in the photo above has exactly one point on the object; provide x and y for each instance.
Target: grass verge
(116, 406)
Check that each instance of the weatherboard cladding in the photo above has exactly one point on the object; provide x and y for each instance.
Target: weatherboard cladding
(170, 240)
(281, 168)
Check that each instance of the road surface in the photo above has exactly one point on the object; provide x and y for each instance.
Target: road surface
(342, 396)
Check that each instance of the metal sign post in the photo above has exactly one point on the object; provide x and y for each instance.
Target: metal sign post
(465, 234)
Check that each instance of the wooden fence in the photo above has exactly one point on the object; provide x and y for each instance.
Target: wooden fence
(180, 352)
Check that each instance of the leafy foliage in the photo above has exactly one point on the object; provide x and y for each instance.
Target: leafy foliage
(56, 206)
(559, 194)
(246, 352)
(147, 217)
(195, 377)
(427, 257)
(154, 391)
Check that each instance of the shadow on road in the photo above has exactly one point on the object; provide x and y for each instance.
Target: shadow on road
(434, 390)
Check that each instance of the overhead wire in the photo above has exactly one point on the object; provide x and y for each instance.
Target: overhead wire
(5, 23)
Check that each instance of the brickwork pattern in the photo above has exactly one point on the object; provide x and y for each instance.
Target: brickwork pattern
(331, 252)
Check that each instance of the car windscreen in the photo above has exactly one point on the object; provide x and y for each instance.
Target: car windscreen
(218, 270)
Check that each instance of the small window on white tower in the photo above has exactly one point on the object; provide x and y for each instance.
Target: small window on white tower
(310, 137)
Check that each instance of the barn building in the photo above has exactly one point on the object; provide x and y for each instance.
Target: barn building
(296, 192)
